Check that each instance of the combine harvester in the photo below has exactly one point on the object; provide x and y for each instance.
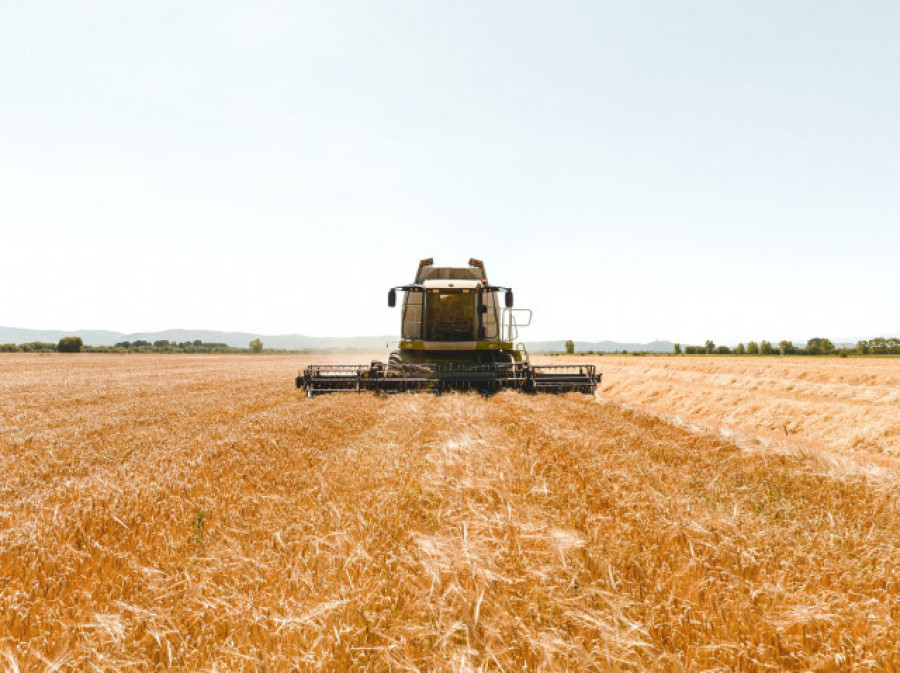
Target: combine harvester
(454, 336)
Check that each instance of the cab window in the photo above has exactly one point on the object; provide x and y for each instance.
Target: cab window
(450, 316)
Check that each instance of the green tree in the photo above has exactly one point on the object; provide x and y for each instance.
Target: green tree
(710, 346)
(786, 347)
(39, 347)
(70, 344)
(753, 348)
(570, 347)
(256, 346)
(740, 349)
(676, 349)
(765, 348)
(820, 346)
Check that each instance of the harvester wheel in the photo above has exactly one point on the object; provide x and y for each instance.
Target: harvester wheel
(395, 358)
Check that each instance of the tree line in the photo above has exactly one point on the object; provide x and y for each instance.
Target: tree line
(73, 344)
(814, 346)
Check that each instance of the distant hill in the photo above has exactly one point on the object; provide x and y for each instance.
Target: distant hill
(18, 335)
(601, 346)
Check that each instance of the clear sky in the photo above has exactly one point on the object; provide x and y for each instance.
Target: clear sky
(635, 170)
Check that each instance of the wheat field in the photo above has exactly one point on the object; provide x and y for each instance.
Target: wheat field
(197, 513)
(846, 405)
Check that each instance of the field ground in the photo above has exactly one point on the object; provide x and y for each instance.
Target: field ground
(197, 513)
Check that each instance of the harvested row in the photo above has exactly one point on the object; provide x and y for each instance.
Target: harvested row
(198, 514)
(844, 405)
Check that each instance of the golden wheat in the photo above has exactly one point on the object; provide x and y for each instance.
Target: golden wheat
(198, 513)
(840, 404)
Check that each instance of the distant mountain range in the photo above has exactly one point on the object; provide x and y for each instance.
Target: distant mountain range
(19, 335)
(598, 346)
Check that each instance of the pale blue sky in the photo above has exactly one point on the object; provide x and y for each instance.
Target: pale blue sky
(724, 170)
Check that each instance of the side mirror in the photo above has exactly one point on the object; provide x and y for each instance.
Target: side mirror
(509, 299)
(392, 298)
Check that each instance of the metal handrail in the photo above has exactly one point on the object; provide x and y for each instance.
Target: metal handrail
(512, 323)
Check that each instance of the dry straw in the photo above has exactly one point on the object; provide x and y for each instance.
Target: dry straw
(197, 513)
(841, 404)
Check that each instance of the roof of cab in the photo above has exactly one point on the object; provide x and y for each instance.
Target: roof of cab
(427, 273)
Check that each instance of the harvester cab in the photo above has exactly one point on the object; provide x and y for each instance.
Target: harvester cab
(453, 336)
(453, 315)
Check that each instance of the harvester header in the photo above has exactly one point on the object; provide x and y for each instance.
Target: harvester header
(453, 336)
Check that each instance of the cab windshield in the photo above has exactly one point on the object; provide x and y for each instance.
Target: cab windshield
(450, 316)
